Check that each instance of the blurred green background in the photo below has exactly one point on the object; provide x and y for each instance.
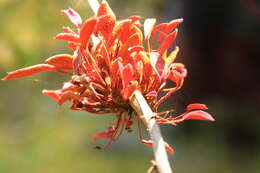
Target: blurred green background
(219, 43)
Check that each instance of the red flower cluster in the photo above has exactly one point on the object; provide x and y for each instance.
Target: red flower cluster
(110, 62)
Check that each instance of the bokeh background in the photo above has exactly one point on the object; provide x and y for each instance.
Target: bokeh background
(219, 43)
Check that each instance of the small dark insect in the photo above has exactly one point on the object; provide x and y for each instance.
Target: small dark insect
(97, 147)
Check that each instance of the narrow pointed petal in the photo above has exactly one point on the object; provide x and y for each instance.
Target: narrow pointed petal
(172, 25)
(87, 30)
(147, 142)
(73, 16)
(150, 144)
(28, 71)
(148, 27)
(168, 148)
(168, 41)
(63, 61)
(194, 106)
(170, 59)
(68, 37)
(54, 94)
(198, 115)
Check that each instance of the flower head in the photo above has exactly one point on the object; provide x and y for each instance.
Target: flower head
(113, 58)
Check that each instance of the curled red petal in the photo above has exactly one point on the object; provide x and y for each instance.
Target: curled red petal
(198, 115)
(68, 37)
(28, 71)
(73, 16)
(62, 61)
(194, 106)
(168, 41)
(87, 30)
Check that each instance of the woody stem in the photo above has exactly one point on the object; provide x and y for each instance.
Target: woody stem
(144, 112)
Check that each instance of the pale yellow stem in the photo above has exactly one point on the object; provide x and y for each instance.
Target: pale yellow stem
(144, 112)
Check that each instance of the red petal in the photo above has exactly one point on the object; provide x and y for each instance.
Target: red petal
(168, 41)
(173, 24)
(159, 27)
(198, 115)
(147, 142)
(191, 107)
(73, 16)
(134, 18)
(87, 30)
(126, 73)
(54, 94)
(104, 9)
(62, 62)
(73, 46)
(168, 148)
(68, 37)
(28, 71)
(68, 30)
(105, 26)
(135, 49)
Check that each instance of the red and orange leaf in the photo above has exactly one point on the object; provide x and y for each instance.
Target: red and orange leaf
(194, 106)
(168, 41)
(28, 71)
(62, 61)
(198, 115)
(86, 30)
(68, 37)
(73, 16)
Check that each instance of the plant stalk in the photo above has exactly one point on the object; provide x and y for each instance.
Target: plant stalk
(144, 112)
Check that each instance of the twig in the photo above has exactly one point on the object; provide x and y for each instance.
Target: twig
(145, 113)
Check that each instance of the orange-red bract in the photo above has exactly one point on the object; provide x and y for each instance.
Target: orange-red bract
(110, 62)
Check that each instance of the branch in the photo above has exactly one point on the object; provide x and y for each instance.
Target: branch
(145, 113)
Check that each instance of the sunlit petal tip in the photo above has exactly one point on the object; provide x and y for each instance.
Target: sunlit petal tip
(198, 115)
(194, 106)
